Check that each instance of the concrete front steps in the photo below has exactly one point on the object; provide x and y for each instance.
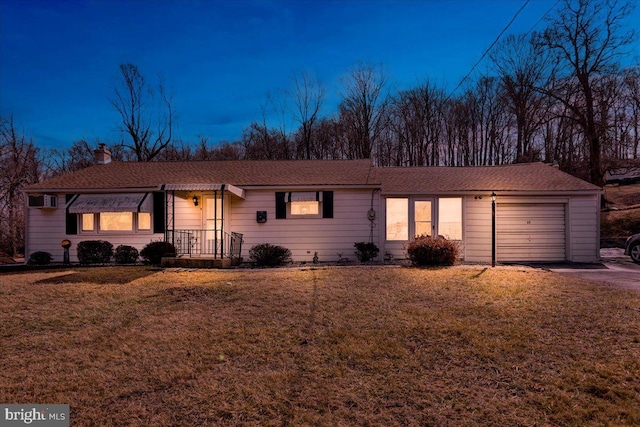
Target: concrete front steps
(200, 262)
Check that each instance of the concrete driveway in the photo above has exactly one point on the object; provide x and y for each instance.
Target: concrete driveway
(616, 269)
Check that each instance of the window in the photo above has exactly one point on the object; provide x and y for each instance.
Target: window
(144, 221)
(306, 204)
(88, 222)
(450, 218)
(116, 221)
(397, 219)
(305, 208)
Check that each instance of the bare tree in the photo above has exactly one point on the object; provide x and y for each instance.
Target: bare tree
(364, 108)
(132, 101)
(308, 96)
(19, 166)
(521, 69)
(632, 97)
(79, 156)
(586, 37)
(416, 126)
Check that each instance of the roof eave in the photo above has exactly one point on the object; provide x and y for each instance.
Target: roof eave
(498, 192)
(311, 186)
(91, 190)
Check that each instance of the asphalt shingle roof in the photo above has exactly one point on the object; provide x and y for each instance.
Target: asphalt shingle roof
(392, 180)
(123, 175)
(518, 177)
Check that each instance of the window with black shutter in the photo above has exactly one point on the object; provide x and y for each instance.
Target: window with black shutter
(304, 204)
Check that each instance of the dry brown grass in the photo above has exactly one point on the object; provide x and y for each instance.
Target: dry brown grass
(623, 195)
(624, 220)
(374, 346)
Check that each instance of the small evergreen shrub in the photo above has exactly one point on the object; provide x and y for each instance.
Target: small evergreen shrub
(154, 251)
(40, 258)
(95, 252)
(430, 251)
(366, 251)
(126, 255)
(267, 255)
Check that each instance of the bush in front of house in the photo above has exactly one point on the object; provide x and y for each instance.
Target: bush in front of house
(40, 258)
(366, 251)
(431, 251)
(126, 255)
(95, 252)
(154, 251)
(267, 255)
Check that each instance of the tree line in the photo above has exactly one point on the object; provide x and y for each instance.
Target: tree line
(561, 95)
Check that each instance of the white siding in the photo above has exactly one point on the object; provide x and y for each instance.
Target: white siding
(46, 228)
(477, 229)
(327, 236)
(305, 236)
(188, 216)
(583, 224)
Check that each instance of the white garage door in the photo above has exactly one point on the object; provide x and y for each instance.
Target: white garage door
(530, 232)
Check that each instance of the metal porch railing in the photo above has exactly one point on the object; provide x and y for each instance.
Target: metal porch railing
(205, 243)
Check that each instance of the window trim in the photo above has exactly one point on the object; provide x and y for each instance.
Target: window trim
(290, 213)
(461, 216)
(325, 199)
(93, 223)
(407, 218)
(435, 215)
(97, 230)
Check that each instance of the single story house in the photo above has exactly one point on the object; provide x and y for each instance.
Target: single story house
(626, 175)
(317, 208)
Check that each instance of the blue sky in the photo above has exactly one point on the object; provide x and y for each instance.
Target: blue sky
(221, 59)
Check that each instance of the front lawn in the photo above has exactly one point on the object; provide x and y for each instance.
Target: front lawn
(372, 346)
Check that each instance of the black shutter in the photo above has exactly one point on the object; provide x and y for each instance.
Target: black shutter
(71, 222)
(281, 205)
(159, 213)
(327, 204)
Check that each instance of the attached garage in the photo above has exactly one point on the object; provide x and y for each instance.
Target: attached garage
(542, 213)
(530, 232)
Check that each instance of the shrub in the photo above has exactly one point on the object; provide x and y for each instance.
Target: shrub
(94, 251)
(126, 255)
(426, 250)
(268, 255)
(366, 251)
(40, 258)
(154, 251)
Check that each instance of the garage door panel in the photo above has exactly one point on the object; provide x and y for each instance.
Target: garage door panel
(538, 228)
(528, 241)
(530, 232)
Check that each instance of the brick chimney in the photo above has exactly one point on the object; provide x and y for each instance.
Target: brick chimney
(102, 155)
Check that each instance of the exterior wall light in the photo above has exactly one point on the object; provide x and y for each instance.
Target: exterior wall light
(195, 200)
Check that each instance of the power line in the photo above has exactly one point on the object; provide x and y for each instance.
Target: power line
(489, 48)
(542, 17)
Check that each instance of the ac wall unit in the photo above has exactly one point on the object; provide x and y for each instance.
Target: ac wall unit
(45, 201)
